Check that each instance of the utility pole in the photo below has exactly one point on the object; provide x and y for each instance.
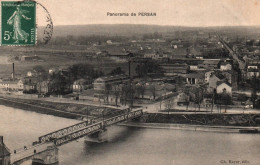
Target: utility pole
(129, 68)
(213, 98)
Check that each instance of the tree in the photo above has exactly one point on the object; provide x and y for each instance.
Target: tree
(187, 97)
(199, 96)
(254, 87)
(81, 70)
(117, 71)
(254, 98)
(108, 89)
(127, 93)
(117, 93)
(153, 90)
(41, 73)
(169, 104)
(225, 99)
(141, 70)
(213, 98)
(146, 68)
(60, 83)
(242, 98)
(140, 89)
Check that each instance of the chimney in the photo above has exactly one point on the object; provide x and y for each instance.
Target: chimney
(13, 72)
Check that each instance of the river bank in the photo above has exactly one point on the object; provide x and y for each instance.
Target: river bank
(188, 127)
(77, 111)
(36, 108)
(67, 110)
(244, 120)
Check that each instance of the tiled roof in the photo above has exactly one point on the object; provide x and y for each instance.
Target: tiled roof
(114, 77)
(211, 62)
(221, 82)
(9, 82)
(195, 75)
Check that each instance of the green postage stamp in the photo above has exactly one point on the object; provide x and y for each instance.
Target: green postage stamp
(18, 23)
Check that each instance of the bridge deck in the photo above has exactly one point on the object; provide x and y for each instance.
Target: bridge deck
(29, 152)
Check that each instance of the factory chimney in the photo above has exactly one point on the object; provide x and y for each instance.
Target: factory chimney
(13, 72)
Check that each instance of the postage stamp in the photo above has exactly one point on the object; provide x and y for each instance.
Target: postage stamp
(18, 23)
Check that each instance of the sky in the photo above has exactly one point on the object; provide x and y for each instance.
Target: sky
(168, 12)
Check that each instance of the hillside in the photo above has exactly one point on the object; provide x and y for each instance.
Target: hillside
(137, 29)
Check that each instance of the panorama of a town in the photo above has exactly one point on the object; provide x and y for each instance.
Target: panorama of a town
(132, 94)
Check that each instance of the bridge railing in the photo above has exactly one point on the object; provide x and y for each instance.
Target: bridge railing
(56, 134)
(78, 134)
(96, 127)
(68, 130)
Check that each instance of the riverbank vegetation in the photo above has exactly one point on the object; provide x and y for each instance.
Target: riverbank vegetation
(204, 119)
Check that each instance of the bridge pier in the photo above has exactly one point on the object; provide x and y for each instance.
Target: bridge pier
(98, 137)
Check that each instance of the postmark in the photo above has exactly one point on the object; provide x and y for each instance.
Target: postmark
(18, 23)
(47, 24)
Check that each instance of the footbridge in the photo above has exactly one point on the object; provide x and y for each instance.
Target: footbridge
(45, 150)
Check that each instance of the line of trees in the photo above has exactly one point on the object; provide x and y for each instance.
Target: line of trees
(197, 95)
(147, 68)
(86, 40)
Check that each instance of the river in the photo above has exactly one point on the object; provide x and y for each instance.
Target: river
(132, 146)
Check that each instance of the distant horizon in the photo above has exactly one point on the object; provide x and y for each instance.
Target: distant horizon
(157, 25)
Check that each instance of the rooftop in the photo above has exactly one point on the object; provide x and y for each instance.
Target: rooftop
(114, 77)
(211, 62)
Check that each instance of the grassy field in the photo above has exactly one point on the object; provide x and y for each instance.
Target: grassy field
(106, 65)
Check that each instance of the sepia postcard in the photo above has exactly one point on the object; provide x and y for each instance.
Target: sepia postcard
(129, 82)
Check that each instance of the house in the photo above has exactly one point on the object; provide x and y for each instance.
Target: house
(29, 87)
(210, 64)
(111, 96)
(225, 66)
(155, 90)
(195, 78)
(43, 87)
(150, 55)
(34, 73)
(252, 70)
(120, 55)
(194, 67)
(4, 153)
(101, 83)
(9, 85)
(109, 42)
(12, 85)
(214, 78)
(249, 104)
(207, 76)
(29, 79)
(200, 57)
(52, 70)
(20, 85)
(182, 98)
(81, 84)
(224, 87)
(231, 76)
(29, 58)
